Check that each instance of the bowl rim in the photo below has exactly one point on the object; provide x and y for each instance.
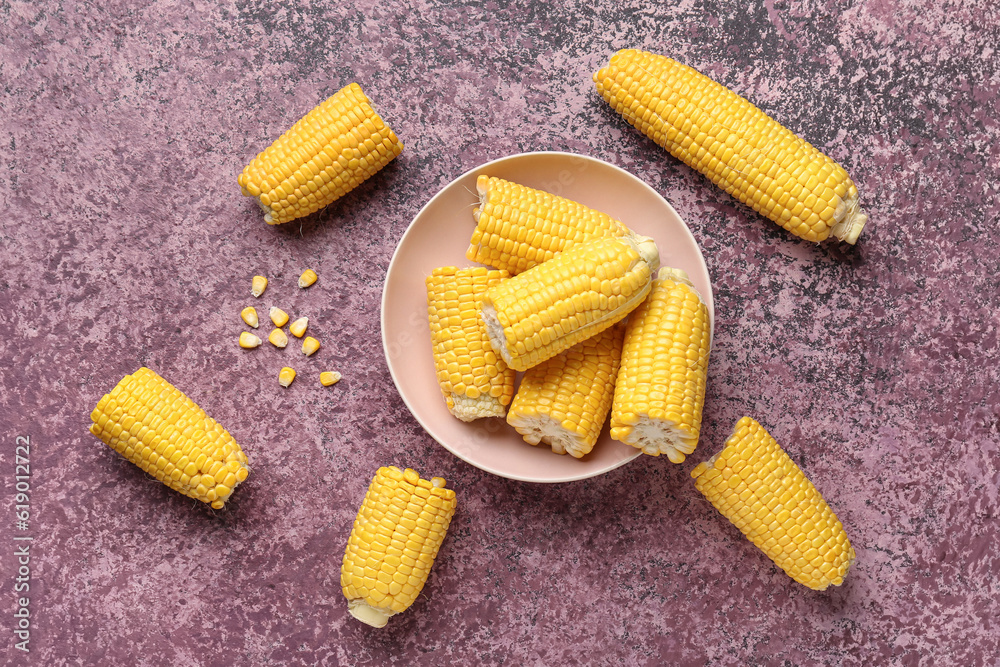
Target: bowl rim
(428, 428)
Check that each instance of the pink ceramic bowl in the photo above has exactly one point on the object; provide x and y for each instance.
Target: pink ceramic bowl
(439, 236)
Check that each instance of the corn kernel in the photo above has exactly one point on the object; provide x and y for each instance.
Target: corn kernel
(286, 376)
(307, 278)
(249, 315)
(327, 378)
(259, 285)
(309, 346)
(298, 327)
(278, 338)
(249, 341)
(278, 316)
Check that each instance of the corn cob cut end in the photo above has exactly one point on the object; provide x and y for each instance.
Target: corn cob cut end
(468, 409)
(655, 437)
(539, 429)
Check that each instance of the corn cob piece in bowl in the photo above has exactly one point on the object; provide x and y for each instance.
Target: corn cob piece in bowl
(518, 227)
(475, 381)
(564, 402)
(331, 150)
(575, 295)
(660, 389)
(734, 144)
(152, 424)
(753, 483)
(396, 536)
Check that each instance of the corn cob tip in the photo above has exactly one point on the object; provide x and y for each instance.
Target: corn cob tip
(647, 250)
(850, 227)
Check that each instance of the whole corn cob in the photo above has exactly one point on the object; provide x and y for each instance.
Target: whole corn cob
(660, 389)
(736, 145)
(396, 537)
(474, 380)
(564, 401)
(153, 425)
(518, 227)
(754, 484)
(575, 295)
(326, 154)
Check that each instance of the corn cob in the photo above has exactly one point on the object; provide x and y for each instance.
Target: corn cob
(564, 401)
(396, 537)
(736, 145)
(660, 389)
(571, 297)
(518, 227)
(153, 425)
(754, 484)
(474, 381)
(330, 151)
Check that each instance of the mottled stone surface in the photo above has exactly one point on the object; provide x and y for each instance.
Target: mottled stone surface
(126, 242)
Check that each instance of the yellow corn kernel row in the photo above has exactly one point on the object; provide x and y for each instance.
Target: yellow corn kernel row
(564, 401)
(733, 143)
(575, 295)
(153, 425)
(518, 227)
(396, 536)
(660, 389)
(475, 382)
(326, 154)
(753, 483)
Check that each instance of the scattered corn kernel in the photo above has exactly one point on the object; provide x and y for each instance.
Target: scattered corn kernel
(286, 376)
(259, 285)
(327, 378)
(278, 316)
(307, 278)
(309, 346)
(248, 340)
(249, 315)
(298, 327)
(278, 338)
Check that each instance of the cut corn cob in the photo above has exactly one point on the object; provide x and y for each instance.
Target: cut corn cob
(153, 425)
(249, 341)
(736, 145)
(660, 388)
(327, 378)
(564, 401)
(298, 327)
(518, 227)
(474, 381)
(330, 151)
(286, 376)
(575, 295)
(396, 536)
(278, 338)
(278, 316)
(249, 315)
(307, 278)
(258, 286)
(754, 484)
(309, 346)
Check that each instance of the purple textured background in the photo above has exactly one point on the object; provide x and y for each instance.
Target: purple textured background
(126, 242)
